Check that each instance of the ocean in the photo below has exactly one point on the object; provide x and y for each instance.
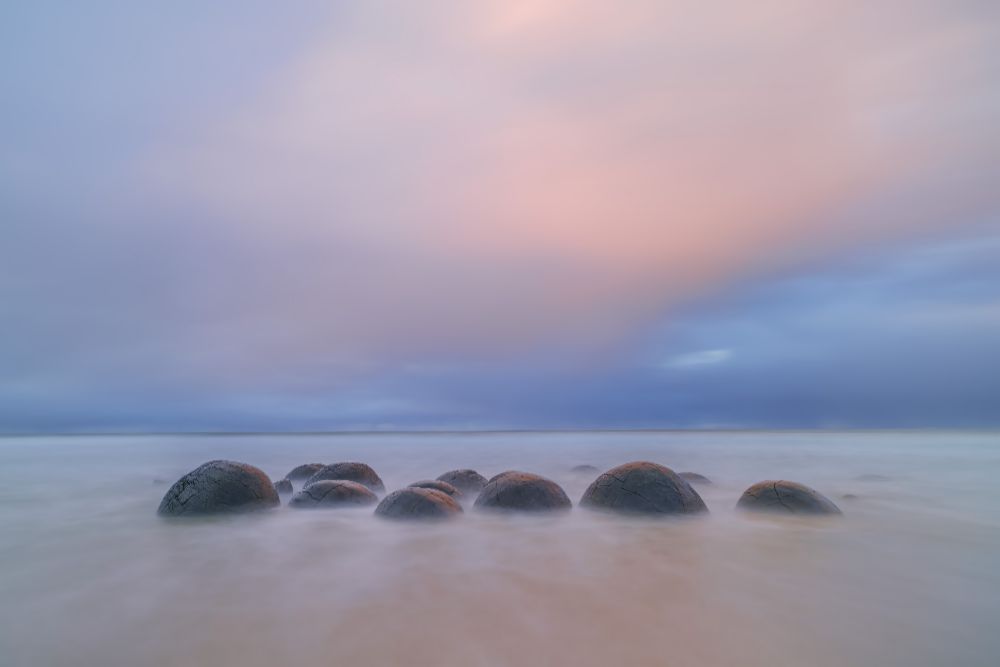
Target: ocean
(909, 575)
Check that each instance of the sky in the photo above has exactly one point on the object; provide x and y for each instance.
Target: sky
(307, 216)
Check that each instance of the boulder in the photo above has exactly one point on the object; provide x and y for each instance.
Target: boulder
(330, 493)
(352, 472)
(642, 487)
(785, 497)
(219, 487)
(415, 503)
(438, 485)
(872, 478)
(283, 487)
(499, 475)
(585, 469)
(304, 471)
(694, 478)
(465, 480)
(522, 492)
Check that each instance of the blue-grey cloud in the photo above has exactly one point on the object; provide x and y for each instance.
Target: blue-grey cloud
(902, 337)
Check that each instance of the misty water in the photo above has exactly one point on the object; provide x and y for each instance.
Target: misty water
(910, 575)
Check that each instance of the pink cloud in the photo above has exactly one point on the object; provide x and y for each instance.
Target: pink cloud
(480, 178)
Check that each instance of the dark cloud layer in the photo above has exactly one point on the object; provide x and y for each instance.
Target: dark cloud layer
(896, 338)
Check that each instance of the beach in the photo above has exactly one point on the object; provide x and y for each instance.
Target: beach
(907, 576)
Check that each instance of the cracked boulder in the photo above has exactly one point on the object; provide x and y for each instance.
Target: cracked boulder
(305, 471)
(694, 478)
(786, 497)
(438, 485)
(499, 475)
(642, 487)
(283, 487)
(465, 480)
(331, 493)
(514, 491)
(218, 487)
(415, 503)
(361, 473)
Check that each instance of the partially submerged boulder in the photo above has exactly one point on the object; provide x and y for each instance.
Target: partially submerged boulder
(304, 471)
(786, 497)
(499, 475)
(415, 503)
(219, 487)
(438, 485)
(694, 478)
(465, 480)
(330, 493)
(642, 487)
(352, 472)
(872, 478)
(283, 487)
(585, 469)
(515, 491)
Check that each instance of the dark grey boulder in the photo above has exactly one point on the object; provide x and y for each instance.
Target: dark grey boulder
(694, 478)
(304, 471)
(585, 469)
(218, 487)
(465, 480)
(414, 503)
(330, 493)
(785, 497)
(361, 473)
(283, 487)
(642, 487)
(522, 492)
(438, 485)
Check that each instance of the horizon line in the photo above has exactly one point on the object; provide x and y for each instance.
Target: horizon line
(880, 429)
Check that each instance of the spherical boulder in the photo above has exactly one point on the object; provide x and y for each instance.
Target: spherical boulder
(352, 472)
(499, 475)
(283, 487)
(785, 497)
(438, 485)
(465, 480)
(642, 487)
(694, 478)
(304, 471)
(415, 503)
(333, 493)
(585, 469)
(218, 487)
(522, 492)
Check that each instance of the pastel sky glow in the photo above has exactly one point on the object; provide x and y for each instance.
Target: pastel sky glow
(557, 213)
